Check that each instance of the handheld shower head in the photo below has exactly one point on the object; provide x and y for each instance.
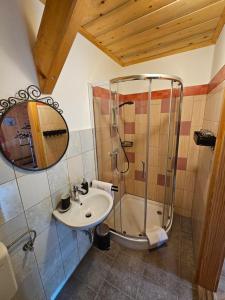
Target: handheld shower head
(126, 103)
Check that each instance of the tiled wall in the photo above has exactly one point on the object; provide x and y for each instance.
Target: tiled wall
(211, 120)
(134, 118)
(27, 199)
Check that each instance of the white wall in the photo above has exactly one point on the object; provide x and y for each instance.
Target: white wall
(219, 54)
(194, 67)
(19, 23)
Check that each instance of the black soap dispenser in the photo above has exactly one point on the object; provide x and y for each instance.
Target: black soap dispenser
(85, 186)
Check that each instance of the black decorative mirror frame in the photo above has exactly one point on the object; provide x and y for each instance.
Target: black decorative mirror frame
(33, 94)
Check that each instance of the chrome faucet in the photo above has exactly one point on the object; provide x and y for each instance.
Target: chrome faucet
(77, 190)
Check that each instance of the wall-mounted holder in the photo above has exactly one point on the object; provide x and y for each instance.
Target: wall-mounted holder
(127, 144)
(205, 138)
(49, 133)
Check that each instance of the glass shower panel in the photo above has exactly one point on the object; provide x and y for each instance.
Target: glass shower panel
(103, 140)
(173, 139)
(130, 112)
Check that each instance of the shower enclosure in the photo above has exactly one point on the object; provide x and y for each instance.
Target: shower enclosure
(137, 123)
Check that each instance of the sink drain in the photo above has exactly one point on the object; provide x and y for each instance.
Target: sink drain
(88, 215)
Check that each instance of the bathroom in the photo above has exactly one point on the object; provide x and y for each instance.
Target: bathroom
(104, 101)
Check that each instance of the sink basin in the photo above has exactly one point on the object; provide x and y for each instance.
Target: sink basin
(92, 209)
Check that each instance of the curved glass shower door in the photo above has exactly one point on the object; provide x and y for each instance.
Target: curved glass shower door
(129, 121)
(137, 130)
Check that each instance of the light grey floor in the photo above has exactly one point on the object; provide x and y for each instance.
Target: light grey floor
(122, 274)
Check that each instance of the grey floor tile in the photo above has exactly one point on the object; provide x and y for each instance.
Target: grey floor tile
(187, 271)
(109, 292)
(124, 279)
(186, 251)
(166, 258)
(76, 290)
(121, 273)
(132, 264)
(188, 293)
(94, 268)
(186, 224)
(148, 290)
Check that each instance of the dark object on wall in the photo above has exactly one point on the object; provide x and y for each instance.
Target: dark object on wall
(25, 121)
(204, 138)
(126, 144)
(54, 132)
(102, 237)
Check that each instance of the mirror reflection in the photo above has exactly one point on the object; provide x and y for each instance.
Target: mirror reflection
(33, 135)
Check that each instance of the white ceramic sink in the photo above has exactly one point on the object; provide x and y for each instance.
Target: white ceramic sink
(90, 211)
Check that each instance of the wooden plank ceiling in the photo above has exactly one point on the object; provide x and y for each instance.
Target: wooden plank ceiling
(132, 31)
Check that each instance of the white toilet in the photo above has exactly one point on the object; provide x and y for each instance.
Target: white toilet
(8, 285)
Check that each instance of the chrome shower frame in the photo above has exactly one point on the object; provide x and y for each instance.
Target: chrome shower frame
(142, 242)
(128, 240)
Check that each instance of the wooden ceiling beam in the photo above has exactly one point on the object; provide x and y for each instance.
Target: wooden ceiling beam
(59, 25)
(165, 14)
(192, 19)
(94, 41)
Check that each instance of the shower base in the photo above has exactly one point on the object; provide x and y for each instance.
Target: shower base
(129, 232)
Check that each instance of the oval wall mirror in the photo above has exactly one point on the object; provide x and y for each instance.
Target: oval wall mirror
(33, 134)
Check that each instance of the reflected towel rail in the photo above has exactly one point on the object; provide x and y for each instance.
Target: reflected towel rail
(28, 245)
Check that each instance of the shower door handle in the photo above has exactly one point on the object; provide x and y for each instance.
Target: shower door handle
(143, 169)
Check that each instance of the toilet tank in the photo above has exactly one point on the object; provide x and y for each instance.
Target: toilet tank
(8, 285)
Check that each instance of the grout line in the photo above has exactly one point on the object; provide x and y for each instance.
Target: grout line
(118, 289)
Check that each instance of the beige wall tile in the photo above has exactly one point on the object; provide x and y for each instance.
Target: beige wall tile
(160, 193)
(163, 142)
(154, 136)
(179, 193)
(155, 114)
(162, 164)
(164, 123)
(153, 156)
(152, 175)
(180, 179)
(128, 113)
(198, 110)
(129, 186)
(187, 108)
(183, 146)
(190, 181)
(139, 188)
(139, 157)
(141, 124)
(152, 192)
(140, 143)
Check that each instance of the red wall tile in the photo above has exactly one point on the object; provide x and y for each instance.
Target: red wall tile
(139, 175)
(161, 180)
(185, 127)
(201, 89)
(165, 106)
(217, 79)
(131, 156)
(182, 163)
(141, 107)
(129, 127)
(161, 94)
(101, 92)
(104, 107)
